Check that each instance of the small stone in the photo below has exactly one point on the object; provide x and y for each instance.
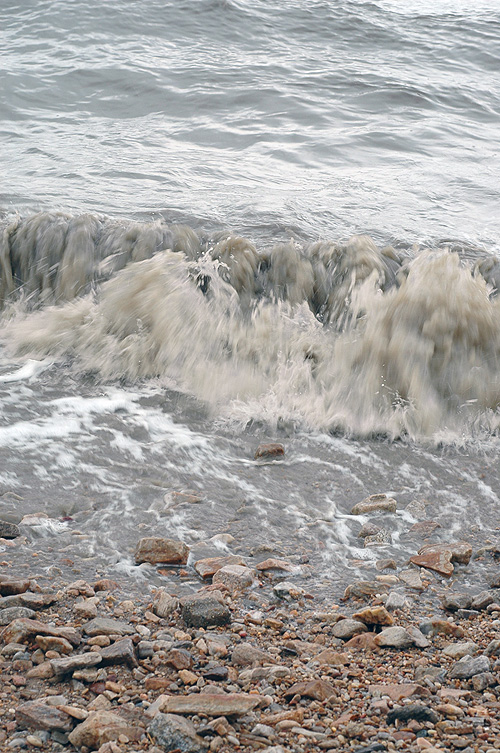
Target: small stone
(187, 677)
(107, 626)
(11, 587)
(363, 642)
(374, 503)
(483, 600)
(105, 584)
(364, 589)
(399, 691)
(483, 680)
(368, 529)
(386, 564)
(174, 732)
(87, 609)
(424, 527)
(374, 616)
(275, 564)
(164, 604)
(207, 568)
(331, 658)
(493, 648)
(345, 629)
(203, 610)
(234, 577)
(288, 590)
(179, 658)
(396, 600)
(53, 643)
(419, 639)
(394, 637)
(22, 629)
(413, 711)
(9, 530)
(411, 578)
(469, 666)
(439, 561)
(270, 450)
(319, 690)
(161, 551)
(441, 627)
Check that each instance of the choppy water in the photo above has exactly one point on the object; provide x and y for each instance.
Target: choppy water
(225, 222)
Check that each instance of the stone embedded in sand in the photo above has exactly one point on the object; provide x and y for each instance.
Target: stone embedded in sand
(245, 655)
(234, 577)
(101, 727)
(174, 732)
(211, 704)
(331, 658)
(207, 568)
(443, 627)
(439, 561)
(14, 613)
(374, 616)
(78, 661)
(362, 642)
(54, 643)
(179, 658)
(274, 564)
(345, 629)
(9, 530)
(119, 652)
(269, 450)
(202, 610)
(39, 715)
(400, 690)
(455, 601)
(107, 626)
(288, 590)
(483, 599)
(161, 551)
(375, 503)
(319, 690)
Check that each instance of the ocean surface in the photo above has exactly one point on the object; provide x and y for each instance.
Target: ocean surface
(227, 222)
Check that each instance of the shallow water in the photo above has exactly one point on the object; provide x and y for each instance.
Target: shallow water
(272, 134)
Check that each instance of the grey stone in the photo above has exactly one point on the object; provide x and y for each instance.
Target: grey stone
(204, 611)
(164, 604)
(120, 652)
(483, 599)
(454, 601)
(9, 530)
(79, 661)
(396, 600)
(107, 626)
(419, 639)
(468, 667)
(493, 648)
(394, 637)
(174, 732)
(145, 649)
(459, 650)
(246, 655)
(346, 629)
(483, 680)
(39, 715)
(13, 613)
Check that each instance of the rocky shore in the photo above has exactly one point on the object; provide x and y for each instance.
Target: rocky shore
(249, 662)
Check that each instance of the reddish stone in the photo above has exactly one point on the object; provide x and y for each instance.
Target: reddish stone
(440, 561)
(364, 642)
(269, 450)
(206, 568)
(161, 551)
(319, 690)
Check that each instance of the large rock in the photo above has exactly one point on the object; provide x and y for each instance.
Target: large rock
(375, 503)
(39, 715)
(461, 551)
(202, 610)
(101, 727)
(107, 626)
(161, 551)
(79, 661)
(211, 704)
(174, 732)
(28, 600)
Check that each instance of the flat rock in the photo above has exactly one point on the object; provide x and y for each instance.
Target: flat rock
(245, 655)
(22, 629)
(469, 666)
(394, 637)
(461, 551)
(207, 568)
(101, 727)
(364, 589)
(107, 626)
(374, 616)
(13, 613)
(345, 629)
(399, 691)
(9, 530)
(331, 658)
(79, 661)
(319, 690)
(459, 650)
(161, 551)
(234, 577)
(483, 680)
(39, 715)
(269, 450)
(411, 578)
(374, 503)
(483, 599)
(211, 704)
(54, 643)
(174, 732)
(275, 564)
(424, 527)
(205, 610)
(11, 587)
(28, 600)
(439, 561)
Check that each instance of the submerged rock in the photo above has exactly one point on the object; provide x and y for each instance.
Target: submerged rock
(9, 530)
(374, 503)
(161, 551)
(269, 450)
